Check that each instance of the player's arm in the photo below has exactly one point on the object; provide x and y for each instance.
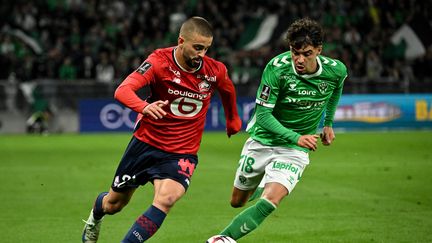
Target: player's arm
(265, 118)
(229, 101)
(328, 134)
(126, 92)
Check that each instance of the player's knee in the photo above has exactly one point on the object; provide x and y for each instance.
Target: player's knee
(237, 203)
(166, 201)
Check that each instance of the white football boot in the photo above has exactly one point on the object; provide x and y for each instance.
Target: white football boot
(91, 229)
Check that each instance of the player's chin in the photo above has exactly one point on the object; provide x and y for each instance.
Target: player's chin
(196, 61)
(300, 69)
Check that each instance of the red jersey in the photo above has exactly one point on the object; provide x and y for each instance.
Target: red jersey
(188, 95)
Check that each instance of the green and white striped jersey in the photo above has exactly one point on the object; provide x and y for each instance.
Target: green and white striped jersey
(296, 102)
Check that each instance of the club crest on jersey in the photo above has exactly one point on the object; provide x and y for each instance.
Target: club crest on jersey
(323, 87)
(265, 92)
(204, 86)
(144, 67)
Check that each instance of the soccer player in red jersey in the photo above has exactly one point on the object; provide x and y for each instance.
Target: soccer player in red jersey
(169, 128)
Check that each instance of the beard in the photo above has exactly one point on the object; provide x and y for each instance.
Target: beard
(193, 62)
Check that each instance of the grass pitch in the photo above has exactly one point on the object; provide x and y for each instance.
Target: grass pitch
(366, 187)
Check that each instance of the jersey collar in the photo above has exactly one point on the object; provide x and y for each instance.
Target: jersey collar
(182, 68)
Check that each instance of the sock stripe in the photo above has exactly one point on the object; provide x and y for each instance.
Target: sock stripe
(149, 226)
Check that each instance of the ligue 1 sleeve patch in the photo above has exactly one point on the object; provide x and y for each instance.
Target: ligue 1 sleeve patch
(265, 92)
(144, 67)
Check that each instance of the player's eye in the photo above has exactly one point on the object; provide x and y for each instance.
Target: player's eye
(308, 53)
(200, 48)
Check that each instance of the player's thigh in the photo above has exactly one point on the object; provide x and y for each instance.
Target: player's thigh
(167, 193)
(252, 164)
(286, 167)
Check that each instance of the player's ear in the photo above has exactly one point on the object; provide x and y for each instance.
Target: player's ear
(319, 49)
(180, 40)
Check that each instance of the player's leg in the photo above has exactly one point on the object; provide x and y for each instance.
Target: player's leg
(106, 203)
(258, 191)
(253, 161)
(167, 193)
(282, 174)
(122, 189)
(249, 173)
(177, 171)
(240, 197)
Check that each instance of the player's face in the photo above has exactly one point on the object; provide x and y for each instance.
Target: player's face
(194, 48)
(305, 59)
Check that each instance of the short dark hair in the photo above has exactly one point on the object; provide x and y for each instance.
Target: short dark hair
(304, 32)
(196, 25)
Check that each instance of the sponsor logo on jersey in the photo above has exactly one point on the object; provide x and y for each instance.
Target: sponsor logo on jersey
(144, 68)
(306, 92)
(176, 72)
(177, 75)
(206, 78)
(265, 92)
(306, 104)
(187, 94)
(204, 86)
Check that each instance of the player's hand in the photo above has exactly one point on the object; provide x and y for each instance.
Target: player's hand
(233, 126)
(308, 141)
(155, 109)
(327, 136)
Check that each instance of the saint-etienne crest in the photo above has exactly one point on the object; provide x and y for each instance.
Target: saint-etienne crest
(323, 87)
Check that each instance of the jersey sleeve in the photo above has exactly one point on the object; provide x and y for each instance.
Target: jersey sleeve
(334, 99)
(229, 101)
(267, 96)
(143, 76)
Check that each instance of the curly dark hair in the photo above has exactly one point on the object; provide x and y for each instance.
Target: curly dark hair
(304, 32)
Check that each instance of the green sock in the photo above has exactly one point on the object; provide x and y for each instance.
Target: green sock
(249, 219)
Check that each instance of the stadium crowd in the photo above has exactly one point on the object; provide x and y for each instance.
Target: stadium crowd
(105, 40)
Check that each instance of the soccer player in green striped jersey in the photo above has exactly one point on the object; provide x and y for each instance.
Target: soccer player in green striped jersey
(297, 89)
